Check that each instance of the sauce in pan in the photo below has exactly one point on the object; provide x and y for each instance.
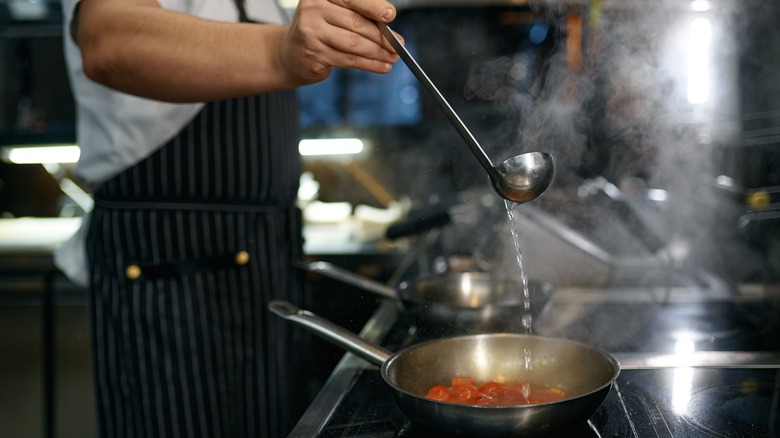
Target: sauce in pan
(465, 390)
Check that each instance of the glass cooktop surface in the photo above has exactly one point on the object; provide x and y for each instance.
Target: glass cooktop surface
(713, 401)
(680, 402)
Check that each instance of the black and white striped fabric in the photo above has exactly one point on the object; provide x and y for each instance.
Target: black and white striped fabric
(186, 248)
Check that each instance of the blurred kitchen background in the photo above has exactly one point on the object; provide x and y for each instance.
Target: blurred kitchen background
(663, 118)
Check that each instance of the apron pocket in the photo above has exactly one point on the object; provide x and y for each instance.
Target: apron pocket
(151, 271)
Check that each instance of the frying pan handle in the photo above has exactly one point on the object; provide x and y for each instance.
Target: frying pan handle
(330, 332)
(336, 273)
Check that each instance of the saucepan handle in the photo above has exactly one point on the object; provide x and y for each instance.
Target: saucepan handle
(336, 273)
(330, 332)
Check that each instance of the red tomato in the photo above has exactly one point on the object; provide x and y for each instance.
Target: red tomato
(492, 390)
(463, 390)
(439, 393)
(465, 393)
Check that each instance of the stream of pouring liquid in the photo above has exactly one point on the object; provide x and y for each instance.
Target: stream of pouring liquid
(527, 318)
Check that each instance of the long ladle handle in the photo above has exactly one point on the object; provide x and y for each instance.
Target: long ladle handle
(457, 123)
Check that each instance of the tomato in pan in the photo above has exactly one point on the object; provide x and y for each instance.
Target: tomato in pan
(464, 390)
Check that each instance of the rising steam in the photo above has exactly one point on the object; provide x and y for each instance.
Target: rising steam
(626, 114)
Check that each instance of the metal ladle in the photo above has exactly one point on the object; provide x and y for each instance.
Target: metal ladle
(519, 179)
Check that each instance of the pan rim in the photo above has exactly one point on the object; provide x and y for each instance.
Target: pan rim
(479, 274)
(407, 296)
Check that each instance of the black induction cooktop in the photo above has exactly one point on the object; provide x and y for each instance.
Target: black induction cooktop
(731, 401)
(681, 402)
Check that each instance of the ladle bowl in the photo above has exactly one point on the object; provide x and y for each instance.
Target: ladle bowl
(524, 177)
(519, 179)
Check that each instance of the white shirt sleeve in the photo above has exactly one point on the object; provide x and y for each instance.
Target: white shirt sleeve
(266, 11)
(116, 130)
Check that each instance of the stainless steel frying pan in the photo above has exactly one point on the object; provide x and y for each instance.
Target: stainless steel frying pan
(455, 303)
(584, 373)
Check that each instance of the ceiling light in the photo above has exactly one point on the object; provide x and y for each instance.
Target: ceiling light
(330, 146)
(42, 154)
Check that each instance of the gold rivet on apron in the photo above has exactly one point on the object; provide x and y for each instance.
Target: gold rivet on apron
(242, 258)
(132, 272)
(758, 200)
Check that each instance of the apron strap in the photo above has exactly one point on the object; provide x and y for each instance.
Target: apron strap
(242, 17)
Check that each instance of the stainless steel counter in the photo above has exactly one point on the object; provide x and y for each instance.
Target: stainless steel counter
(344, 373)
(316, 416)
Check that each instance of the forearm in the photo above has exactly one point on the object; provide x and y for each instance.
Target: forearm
(165, 55)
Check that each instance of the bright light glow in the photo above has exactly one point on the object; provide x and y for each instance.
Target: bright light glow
(725, 180)
(28, 9)
(468, 291)
(61, 154)
(481, 357)
(698, 61)
(684, 345)
(700, 5)
(330, 146)
(682, 380)
(288, 4)
(681, 391)
(657, 195)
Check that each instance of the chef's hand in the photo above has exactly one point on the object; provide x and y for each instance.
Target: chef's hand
(327, 34)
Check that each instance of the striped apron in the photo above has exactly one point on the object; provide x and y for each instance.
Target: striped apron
(186, 248)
